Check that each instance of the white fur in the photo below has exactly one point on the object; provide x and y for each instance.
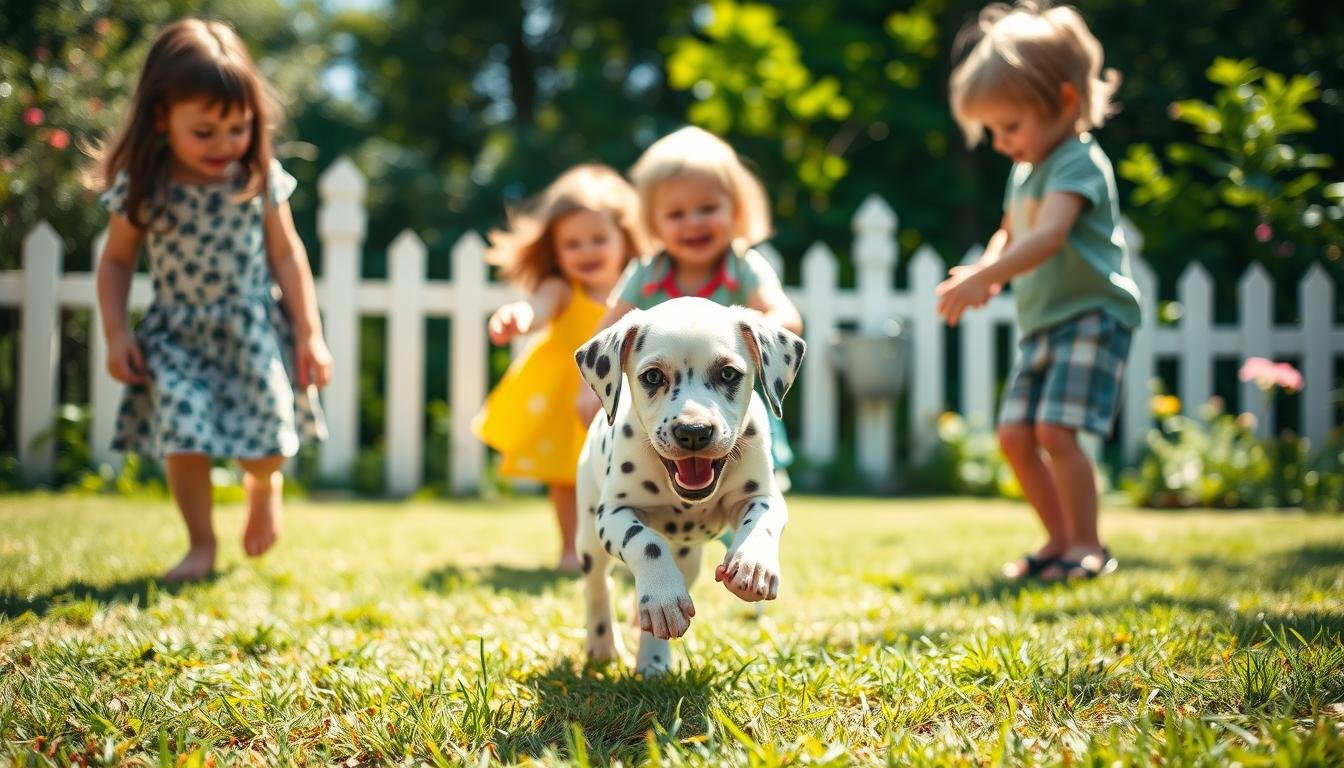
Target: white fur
(631, 508)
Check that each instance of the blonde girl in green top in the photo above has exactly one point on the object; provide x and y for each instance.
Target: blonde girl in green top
(1034, 79)
(702, 209)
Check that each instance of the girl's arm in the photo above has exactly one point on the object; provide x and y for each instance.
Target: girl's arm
(615, 311)
(519, 317)
(973, 286)
(289, 265)
(116, 269)
(771, 301)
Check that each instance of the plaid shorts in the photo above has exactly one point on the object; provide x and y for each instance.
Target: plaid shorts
(1069, 374)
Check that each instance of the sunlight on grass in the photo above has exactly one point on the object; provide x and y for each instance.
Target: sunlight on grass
(436, 633)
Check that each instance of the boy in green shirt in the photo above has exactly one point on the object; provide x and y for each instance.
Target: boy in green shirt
(1034, 79)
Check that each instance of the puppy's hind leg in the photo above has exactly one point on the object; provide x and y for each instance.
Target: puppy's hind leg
(603, 638)
(655, 655)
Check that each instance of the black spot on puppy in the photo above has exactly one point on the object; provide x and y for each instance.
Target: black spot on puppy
(684, 551)
(751, 486)
(603, 366)
(631, 533)
(627, 467)
(628, 431)
(649, 486)
(587, 562)
(779, 389)
(670, 527)
(590, 356)
(750, 431)
(653, 551)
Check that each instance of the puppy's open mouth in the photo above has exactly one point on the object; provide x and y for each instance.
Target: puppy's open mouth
(694, 477)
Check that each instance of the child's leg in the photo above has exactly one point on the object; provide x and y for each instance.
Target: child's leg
(189, 481)
(264, 485)
(1075, 482)
(566, 516)
(1019, 443)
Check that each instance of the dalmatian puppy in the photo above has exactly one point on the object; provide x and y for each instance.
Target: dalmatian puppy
(677, 457)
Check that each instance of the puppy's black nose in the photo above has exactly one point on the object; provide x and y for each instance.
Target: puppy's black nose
(693, 437)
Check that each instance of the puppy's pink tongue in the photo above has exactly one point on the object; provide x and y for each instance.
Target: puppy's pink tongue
(694, 474)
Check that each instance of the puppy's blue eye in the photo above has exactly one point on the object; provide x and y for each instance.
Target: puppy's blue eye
(653, 377)
(729, 375)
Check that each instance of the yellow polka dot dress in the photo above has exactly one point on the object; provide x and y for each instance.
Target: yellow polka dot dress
(530, 417)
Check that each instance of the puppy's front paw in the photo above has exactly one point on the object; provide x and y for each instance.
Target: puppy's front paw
(666, 615)
(750, 576)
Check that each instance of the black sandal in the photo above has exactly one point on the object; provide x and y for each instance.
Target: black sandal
(1035, 565)
(1074, 569)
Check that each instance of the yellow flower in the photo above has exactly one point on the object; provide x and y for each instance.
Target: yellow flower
(951, 427)
(1166, 405)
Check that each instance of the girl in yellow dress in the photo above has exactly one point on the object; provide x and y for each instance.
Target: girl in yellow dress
(567, 250)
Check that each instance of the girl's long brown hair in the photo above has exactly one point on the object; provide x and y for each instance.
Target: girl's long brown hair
(524, 251)
(190, 59)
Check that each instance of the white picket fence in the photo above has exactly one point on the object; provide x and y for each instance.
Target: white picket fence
(406, 298)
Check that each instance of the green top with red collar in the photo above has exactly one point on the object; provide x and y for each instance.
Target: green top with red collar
(648, 283)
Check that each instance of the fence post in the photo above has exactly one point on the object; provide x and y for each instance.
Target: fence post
(41, 352)
(341, 224)
(405, 364)
(1256, 298)
(1317, 301)
(874, 260)
(818, 414)
(979, 366)
(1139, 372)
(467, 373)
(1196, 291)
(926, 397)
(104, 391)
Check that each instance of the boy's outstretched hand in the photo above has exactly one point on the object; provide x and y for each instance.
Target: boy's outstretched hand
(966, 288)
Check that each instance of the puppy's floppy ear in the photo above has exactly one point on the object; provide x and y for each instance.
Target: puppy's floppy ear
(602, 361)
(778, 353)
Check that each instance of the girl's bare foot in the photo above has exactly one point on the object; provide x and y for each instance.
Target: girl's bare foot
(569, 562)
(264, 511)
(198, 563)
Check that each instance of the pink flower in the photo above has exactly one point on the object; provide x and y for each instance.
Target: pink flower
(59, 139)
(1288, 377)
(1251, 369)
(1267, 374)
(1263, 232)
(33, 116)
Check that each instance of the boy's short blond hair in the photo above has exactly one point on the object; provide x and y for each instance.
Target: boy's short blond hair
(697, 152)
(1022, 54)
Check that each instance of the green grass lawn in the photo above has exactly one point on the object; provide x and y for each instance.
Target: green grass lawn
(433, 632)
